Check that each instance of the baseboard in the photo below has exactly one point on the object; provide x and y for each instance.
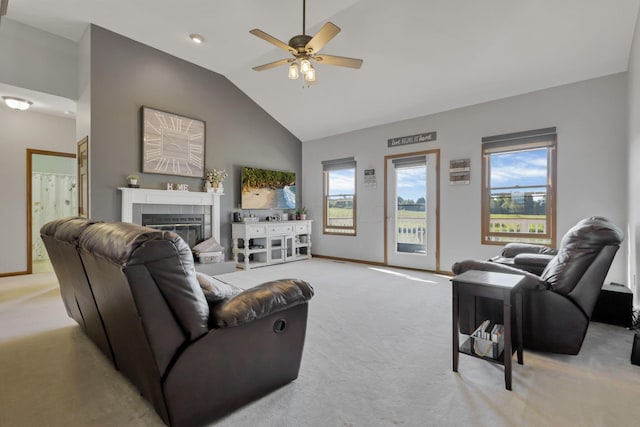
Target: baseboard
(359, 261)
(15, 273)
(381, 264)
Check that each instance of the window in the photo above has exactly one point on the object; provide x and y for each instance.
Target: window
(518, 182)
(340, 196)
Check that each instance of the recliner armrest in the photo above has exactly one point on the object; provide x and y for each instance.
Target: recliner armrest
(535, 260)
(532, 262)
(513, 249)
(261, 301)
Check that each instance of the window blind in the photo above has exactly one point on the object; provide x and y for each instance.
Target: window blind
(524, 140)
(338, 164)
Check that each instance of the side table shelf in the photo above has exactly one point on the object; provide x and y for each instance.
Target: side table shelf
(465, 348)
(500, 286)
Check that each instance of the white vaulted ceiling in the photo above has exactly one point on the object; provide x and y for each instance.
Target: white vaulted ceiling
(420, 56)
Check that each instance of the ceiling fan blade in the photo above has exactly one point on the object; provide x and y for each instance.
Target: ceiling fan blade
(338, 60)
(274, 41)
(326, 33)
(273, 64)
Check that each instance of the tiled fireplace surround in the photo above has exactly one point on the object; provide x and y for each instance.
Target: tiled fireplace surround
(136, 201)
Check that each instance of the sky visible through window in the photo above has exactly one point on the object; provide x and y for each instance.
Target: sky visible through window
(342, 182)
(412, 182)
(519, 168)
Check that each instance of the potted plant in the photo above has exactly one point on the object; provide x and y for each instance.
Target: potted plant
(301, 213)
(132, 180)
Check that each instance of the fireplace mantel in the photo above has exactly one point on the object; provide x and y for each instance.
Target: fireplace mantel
(131, 196)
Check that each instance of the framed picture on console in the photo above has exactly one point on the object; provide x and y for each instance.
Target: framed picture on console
(172, 144)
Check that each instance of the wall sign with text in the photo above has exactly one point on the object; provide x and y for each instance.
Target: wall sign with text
(412, 139)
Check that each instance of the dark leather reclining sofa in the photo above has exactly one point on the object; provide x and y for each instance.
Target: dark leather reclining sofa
(195, 357)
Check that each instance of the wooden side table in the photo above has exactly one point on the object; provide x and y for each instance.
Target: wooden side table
(499, 286)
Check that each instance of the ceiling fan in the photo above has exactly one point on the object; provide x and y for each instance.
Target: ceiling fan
(304, 49)
(4, 4)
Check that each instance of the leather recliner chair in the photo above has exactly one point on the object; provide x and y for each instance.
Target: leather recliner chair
(557, 303)
(195, 358)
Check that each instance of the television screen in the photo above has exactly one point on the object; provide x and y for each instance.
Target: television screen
(268, 189)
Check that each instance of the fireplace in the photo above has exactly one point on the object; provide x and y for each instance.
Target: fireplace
(141, 201)
(188, 226)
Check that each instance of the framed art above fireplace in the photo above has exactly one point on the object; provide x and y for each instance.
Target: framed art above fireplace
(172, 144)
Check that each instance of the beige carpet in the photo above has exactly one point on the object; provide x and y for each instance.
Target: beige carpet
(377, 354)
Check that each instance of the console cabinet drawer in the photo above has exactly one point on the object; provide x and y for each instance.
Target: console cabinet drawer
(302, 228)
(280, 229)
(256, 231)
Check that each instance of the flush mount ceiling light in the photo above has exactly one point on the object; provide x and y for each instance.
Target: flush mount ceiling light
(305, 49)
(17, 103)
(196, 38)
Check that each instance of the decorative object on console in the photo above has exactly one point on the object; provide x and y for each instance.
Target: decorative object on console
(172, 144)
(301, 213)
(305, 48)
(268, 189)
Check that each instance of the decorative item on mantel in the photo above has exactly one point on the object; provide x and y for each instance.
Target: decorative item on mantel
(177, 187)
(132, 181)
(214, 179)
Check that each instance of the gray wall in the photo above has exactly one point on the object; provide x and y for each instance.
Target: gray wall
(37, 60)
(591, 119)
(19, 131)
(126, 75)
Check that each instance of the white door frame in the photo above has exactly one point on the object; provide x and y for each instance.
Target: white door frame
(435, 154)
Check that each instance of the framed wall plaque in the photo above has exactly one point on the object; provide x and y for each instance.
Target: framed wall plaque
(172, 144)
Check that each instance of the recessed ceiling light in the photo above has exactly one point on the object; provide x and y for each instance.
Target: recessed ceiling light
(16, 103)
(196, 38)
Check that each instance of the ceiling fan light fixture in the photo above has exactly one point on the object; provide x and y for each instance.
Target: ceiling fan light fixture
(17, 103)
(305, 65)
(293, 71)
(310, 77)
(303, 48)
